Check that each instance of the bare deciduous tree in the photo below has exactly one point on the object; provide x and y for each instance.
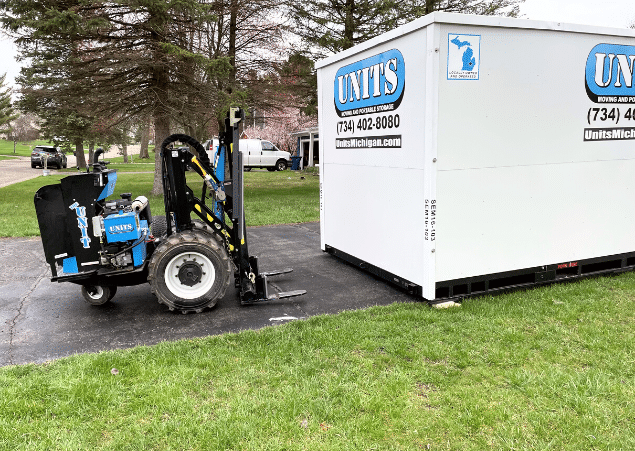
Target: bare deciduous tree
(25, 128)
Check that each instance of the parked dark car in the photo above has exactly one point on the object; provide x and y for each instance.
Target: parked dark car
(55, 158)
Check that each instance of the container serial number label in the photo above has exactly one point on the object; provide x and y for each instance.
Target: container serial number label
(430, 220)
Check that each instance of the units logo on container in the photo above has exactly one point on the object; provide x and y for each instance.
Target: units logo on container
(464, 56)
(372, 85)
(609, 74)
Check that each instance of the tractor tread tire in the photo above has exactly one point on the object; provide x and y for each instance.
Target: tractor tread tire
(200, 226)
(189, 241)
(159, 226)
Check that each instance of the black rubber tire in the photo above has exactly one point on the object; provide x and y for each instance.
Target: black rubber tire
(281, 165)
(65, 165)
(200, 226)
(98, 295)
(159, 226)
(246, 169)
(184, 244)
(33, 166)
(113, 292)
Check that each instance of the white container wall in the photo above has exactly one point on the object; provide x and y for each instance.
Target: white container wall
(459, 153)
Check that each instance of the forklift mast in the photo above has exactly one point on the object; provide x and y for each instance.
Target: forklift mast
(223, 178)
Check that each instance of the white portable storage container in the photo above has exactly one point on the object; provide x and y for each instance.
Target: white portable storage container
(463, 154)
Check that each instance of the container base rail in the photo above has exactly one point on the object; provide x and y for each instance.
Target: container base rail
(459, 289)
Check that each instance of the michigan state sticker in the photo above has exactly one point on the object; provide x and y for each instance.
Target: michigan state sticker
(464, 56)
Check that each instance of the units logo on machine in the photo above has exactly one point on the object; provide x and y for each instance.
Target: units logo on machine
(372, 85)
(82, 223)
(464, 56)
(609, 74)
(121, 228)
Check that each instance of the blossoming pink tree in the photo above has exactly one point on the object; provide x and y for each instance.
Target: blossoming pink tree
(279, 126)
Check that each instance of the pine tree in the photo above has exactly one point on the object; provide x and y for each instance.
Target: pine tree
(181, 62)
(298, 80)
(7, 114)
(123, 59)
(53, 90)
(330, 26)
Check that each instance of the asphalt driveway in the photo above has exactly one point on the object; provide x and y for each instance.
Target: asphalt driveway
(41, 320)
(16, 170)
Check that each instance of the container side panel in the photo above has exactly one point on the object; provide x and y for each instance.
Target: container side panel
(372, 127)
(529, 104)
(429, 201)
(501, 219)
(321, 100)
(531, 169)
(378, 127)
(375, 221)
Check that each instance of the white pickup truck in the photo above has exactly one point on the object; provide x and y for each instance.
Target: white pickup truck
(257, 153)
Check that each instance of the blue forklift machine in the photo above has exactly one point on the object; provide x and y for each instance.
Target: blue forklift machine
(101, 243)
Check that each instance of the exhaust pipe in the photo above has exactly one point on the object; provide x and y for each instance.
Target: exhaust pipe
(97, 154)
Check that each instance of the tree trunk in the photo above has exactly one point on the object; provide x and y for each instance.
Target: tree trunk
(161, 111)
(191, 131)
(145, 138)
(79, 153)
(161, 131)
(349, 24)
(430, 6)
(124, 150)
(233, 25)
(221, 126)
(233, 15)
(91, 151)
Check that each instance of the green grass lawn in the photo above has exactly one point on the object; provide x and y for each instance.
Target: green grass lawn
(135, 164)
(548, 368)
(270, 198)
(24, 149)
(121, 167)
(21, 149)
(134, 158)
(2, 157)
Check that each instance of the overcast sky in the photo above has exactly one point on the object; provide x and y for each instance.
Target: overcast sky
(607, 13)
